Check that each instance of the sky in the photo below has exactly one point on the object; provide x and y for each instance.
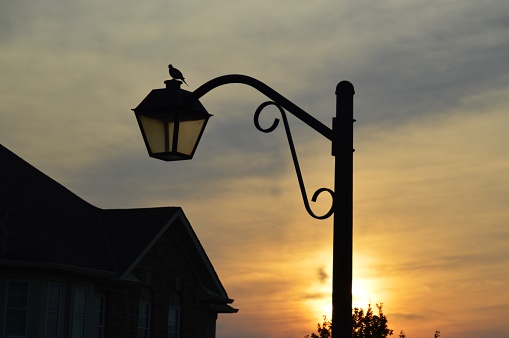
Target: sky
(431, 166)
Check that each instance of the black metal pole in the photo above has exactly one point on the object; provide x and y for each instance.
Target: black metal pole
(342, 149)
(341, 136)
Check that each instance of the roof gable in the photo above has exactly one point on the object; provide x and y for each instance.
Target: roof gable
(42, 223)
(132, 232)
(180, 227)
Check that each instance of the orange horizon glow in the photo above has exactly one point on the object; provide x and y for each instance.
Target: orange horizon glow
(392, 232)
(431, 139)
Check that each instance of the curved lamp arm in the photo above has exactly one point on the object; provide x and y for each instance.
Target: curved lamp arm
(267, 91)
(294, 158)
(281, 103)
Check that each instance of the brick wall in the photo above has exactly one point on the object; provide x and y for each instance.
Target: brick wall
(165, 269)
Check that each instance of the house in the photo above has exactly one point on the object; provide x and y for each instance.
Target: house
(70, 269)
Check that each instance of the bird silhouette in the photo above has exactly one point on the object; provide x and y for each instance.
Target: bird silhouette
(176, 74)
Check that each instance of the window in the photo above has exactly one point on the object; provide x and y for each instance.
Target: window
(16, 309)
(145, 313)
(144, 319)
(79, 314)
(174, 316)
(97, 330)
(54, 309)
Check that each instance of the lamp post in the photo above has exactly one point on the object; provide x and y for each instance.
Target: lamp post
(172, 115)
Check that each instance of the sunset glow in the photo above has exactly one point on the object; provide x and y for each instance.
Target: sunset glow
(361, 294)
(431, 163)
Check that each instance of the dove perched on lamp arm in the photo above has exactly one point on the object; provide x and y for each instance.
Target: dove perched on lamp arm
(176, 74)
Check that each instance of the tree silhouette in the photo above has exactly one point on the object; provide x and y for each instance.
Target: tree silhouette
(324, 330)
(365, 325)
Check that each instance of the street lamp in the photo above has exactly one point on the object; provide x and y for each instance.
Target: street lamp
(162, 106)
(170, 125)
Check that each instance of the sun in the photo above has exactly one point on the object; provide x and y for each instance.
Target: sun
(327, 309)
(361, 294)
(322, 305)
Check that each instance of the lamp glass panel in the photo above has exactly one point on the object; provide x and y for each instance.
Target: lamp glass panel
(171, 130)
(189, 132)
(154, 133)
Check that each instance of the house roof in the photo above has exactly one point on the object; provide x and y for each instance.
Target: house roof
(44, 224)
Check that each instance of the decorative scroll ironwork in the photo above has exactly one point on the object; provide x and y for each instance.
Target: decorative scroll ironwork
(294, 158)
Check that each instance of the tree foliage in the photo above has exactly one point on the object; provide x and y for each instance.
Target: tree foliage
(364, 325)
(324, 330)
(368, 325)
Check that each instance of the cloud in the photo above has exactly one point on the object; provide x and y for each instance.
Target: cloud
(431, 179)
(431, 199)
(323, 276)
(315, 296)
